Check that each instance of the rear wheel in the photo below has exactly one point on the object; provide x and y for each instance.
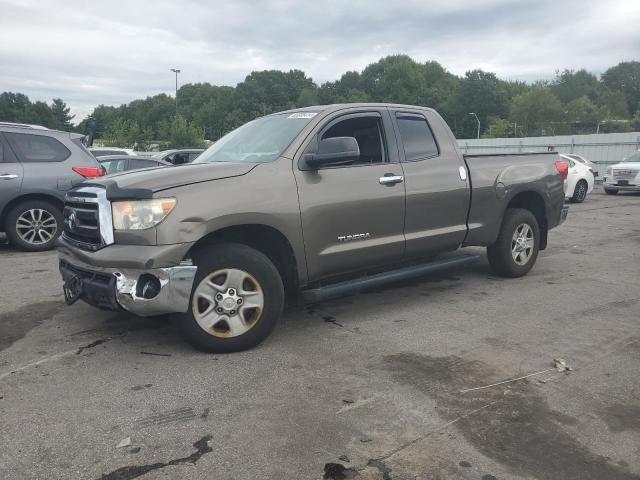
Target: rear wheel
(611, 191)
(34, 225)
(236, 300)
(580, 192)
(516, 249)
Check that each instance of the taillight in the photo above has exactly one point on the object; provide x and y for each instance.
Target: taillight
(563, 169)
(90, 172)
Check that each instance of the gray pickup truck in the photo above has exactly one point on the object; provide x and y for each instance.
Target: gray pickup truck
(304, 204)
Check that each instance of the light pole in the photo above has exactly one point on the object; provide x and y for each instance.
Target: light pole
(477, 120)
(176, 71)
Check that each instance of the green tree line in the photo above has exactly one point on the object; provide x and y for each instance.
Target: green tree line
(573, 102)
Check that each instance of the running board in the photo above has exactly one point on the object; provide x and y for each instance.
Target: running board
(329, 291)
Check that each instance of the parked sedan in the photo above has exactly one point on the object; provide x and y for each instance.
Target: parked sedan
(178, 157)
(579, 158)
(579, 181)
(623, 176)
(123, 163)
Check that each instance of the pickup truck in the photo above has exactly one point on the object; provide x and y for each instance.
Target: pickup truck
(304, 204)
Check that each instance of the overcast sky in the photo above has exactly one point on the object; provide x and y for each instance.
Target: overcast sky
(115, 51)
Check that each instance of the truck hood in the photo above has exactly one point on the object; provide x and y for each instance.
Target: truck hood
(157, 179)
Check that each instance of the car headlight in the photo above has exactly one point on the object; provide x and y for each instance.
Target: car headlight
(140, 214)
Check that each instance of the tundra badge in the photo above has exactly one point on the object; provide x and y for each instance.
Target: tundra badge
(355, 236)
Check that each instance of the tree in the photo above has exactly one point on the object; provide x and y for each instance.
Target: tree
(536, 111)
(570, 85)
(184, 134)
(395, 79)
(625, 78)
(498, 128)
(485, 95)
(635, 121)
(60, 115)
(583, 113)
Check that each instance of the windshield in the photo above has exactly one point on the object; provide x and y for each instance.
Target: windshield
(261, 140)
(633, 157)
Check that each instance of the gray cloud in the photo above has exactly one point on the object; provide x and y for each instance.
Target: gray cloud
(113, 52)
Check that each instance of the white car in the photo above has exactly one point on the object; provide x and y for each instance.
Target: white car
(579, 158)
(623, 176)
(579, 181)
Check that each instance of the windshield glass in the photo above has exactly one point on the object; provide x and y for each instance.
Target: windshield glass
(633, 158)
(261, 140)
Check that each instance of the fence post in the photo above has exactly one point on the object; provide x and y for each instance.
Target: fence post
(573, 142)
(520, 146)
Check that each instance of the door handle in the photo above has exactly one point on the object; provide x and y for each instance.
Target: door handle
(8, 176)
(390, 179)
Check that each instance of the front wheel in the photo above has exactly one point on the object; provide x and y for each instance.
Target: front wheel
(236, 300)
(516, 249)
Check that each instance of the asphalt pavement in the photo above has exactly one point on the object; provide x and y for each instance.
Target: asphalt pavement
(393, 383)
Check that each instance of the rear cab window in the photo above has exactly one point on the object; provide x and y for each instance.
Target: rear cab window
(417, 138)
(37, 148)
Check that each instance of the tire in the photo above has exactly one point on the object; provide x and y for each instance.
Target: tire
(580, 192)
(501, 253)
(43, 216)
(611, 191)
(247, 325)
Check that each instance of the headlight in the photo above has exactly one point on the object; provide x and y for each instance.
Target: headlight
(141, 214)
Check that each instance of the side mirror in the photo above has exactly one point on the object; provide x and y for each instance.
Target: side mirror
(333, 151)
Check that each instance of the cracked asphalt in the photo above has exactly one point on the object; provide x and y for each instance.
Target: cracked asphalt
(368, 386)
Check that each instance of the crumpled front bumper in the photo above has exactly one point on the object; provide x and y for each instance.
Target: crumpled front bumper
(128, 288)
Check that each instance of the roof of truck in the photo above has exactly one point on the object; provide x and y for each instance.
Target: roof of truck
(341, 106)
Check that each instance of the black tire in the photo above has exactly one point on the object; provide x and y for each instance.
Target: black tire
(19, 237)
(611, 191)
(219, 257)
(580, 192)
(500, 255)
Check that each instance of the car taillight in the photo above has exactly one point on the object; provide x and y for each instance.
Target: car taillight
(563, 169)
(90, 172)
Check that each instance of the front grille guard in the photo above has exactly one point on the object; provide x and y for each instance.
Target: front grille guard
(105, 220)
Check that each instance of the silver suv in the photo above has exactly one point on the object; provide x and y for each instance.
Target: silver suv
(37, 167)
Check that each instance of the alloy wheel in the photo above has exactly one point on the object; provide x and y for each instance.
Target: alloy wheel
(522, 244)
(228, 303)
(36, 226)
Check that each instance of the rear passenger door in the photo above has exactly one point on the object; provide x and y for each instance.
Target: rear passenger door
(10, 174)
(435, 181)
(352, 218)
(42, 158)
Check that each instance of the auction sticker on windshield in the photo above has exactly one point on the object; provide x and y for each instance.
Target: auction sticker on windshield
(303, 115)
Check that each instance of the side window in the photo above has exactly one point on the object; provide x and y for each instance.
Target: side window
(193, 156)
(135, 164)
(114, 166)
(417, 137)
(1, 152)
(37, 148)
(368, 133)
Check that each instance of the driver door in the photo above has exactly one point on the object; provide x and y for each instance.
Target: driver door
(352, 218)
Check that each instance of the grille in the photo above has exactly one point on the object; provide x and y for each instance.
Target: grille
(622, 174)
(81, 216)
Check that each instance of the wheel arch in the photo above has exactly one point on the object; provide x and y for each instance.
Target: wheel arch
(29, 197)
(535, 203)
(264, 238)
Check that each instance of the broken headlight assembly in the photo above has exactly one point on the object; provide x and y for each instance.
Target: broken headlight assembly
(141, 214)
